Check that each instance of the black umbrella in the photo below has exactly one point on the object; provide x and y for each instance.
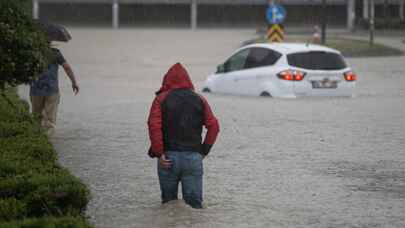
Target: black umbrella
(55, 32)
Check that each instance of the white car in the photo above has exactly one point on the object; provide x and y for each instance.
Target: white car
(287, 70)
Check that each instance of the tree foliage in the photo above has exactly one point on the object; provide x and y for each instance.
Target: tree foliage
(24, 49)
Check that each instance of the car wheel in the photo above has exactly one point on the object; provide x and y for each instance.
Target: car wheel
(206, 90)
(265, 94)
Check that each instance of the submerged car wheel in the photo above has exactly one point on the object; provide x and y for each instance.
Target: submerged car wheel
(265, 94)
(206, 90)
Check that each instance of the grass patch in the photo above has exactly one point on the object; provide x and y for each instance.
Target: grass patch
(359, 48)
(348, 47)
(34, 190)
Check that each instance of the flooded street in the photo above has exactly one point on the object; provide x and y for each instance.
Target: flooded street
(313, 162)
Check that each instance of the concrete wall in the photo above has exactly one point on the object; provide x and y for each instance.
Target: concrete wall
(83, 13)
(210, 2)
(206, 13)
(209, 15)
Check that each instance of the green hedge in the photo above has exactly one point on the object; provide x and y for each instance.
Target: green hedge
(48, 222)
(34, 190)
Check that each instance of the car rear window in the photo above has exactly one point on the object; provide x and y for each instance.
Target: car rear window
(317, 60)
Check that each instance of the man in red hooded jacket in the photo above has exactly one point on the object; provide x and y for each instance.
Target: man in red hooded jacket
(175, 126)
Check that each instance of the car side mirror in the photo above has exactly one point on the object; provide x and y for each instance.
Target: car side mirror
(221, 68)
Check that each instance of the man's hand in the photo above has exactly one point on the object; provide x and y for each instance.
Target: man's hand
(165, 163)
(71, 75)
(75, 88)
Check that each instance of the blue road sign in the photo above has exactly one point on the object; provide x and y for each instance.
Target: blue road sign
(276, 14)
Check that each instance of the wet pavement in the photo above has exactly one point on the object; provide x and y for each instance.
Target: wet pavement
(311, 162)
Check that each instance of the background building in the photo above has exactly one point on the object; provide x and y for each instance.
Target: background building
(209, 13)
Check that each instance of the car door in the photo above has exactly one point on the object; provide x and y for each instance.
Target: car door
(225, 81)
(256, 70)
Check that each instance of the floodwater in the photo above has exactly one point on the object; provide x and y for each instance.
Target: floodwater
(312, 162)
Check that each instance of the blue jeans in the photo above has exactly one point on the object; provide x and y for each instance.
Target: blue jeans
(186, 168)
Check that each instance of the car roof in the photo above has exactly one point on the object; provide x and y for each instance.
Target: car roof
(288, 48)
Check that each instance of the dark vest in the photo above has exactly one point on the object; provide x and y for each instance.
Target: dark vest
(183, 118)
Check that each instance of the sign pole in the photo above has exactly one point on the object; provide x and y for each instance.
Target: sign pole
(35, 9)
(324, 21)
(194, 12)
(371, 21)
(115, 14)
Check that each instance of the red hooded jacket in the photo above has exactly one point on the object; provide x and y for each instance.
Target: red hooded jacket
(176, 78)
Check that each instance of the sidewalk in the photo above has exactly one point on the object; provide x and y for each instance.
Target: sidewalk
(393, 39)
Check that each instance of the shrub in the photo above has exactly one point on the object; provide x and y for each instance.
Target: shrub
(48, 194)
(13, 129)
(24, 50)
(12, 109)
(32, 184)
(11, 209)
(10, 167)
(63, 222)
(22, 147)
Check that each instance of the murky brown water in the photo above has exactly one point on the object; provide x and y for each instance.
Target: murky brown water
(326, 162)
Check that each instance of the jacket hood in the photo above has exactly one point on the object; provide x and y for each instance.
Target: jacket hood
(176, 78)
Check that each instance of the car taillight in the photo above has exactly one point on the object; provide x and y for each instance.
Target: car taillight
(350, 76)
(291, 75)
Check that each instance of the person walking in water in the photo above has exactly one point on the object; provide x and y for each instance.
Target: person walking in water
(175, 123)
(44, 92)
